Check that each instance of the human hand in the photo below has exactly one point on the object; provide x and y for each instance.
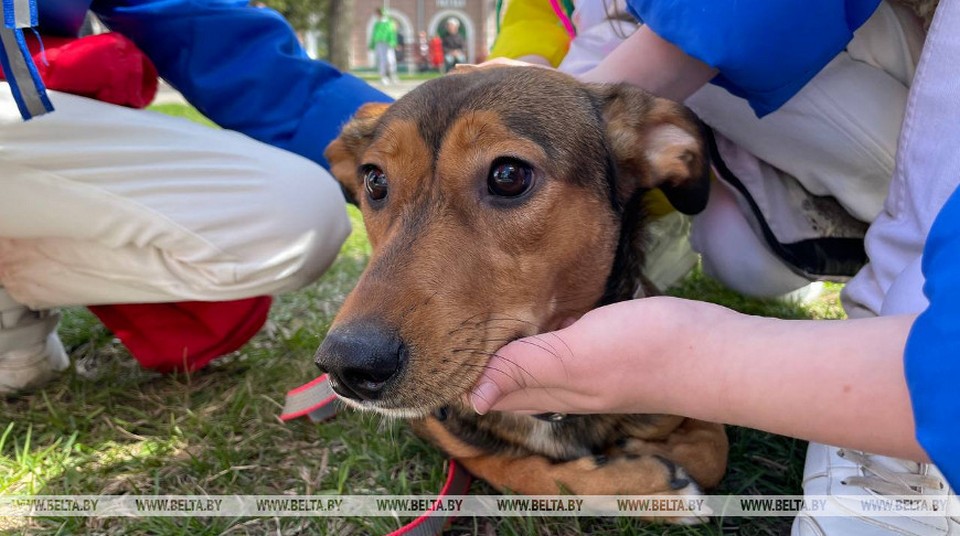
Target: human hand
(525, 61)
(834, 382)
(622, 358)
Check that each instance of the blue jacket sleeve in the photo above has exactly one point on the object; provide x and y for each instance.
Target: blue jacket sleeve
(932, 356)
(764, 50)
(243, 67)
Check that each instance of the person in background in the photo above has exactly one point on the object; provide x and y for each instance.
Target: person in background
(454, 45)
(177, 235)
(383, 41)
(423, 52)
(401, 49)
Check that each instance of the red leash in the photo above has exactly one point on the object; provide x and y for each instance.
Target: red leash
(317, 401)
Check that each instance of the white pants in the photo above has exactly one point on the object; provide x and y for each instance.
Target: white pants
(102, 204)
(837, 137)
(386, 60)
(926, 174)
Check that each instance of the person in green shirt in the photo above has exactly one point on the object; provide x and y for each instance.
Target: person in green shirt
(383, 41)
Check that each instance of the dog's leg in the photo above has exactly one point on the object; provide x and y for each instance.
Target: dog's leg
(698, 447)
(628, 473)
(591, 475)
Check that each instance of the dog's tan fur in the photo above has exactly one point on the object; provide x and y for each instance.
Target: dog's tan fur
(457, 272)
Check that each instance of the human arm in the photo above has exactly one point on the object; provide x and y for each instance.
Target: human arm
(837, 382)
(762, 51)
(648, 61)
(243, 68)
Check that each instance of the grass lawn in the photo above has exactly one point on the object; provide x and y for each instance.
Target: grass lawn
(371, 75)
(110, 428)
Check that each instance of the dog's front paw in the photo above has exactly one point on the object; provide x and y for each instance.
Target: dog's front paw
(623, 474)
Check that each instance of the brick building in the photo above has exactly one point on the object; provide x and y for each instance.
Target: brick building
(477, 22)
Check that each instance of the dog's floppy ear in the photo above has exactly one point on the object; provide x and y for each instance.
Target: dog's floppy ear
(344, 152)
(656, 143)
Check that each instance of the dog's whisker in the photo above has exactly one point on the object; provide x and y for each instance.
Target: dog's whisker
(578, 297)
(414, 306)
(501, 342)
(567, 346)
(516, 365)
(472, 365)
(519, 367)
(464, 325)
(511, 319)
(540, 339)
(473, 316)
(472, 350)
(553, 353)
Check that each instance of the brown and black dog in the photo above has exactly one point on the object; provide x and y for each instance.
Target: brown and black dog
(498, 203)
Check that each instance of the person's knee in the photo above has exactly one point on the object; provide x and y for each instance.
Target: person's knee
(305, 222)
(752, 273)
(733, 254)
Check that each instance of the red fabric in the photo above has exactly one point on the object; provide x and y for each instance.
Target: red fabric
(106, 67)
(185, 335)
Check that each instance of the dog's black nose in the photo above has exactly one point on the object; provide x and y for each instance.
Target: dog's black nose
(361, 358)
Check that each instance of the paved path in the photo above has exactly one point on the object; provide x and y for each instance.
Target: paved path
(399, 89)
(166, 94)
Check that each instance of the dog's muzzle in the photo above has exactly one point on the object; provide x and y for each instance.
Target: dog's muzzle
(361, 359)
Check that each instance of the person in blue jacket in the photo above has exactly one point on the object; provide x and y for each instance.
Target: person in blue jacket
(101, 204)
(883, 384)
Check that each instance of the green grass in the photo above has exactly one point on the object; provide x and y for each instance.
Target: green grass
(186, 112)
(371, 75)
(110, 428)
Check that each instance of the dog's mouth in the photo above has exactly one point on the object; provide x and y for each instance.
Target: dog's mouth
(424, 385)
(379, 408)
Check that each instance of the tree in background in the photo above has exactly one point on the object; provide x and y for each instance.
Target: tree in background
(339, 31)
(333, 17)
(298, 12)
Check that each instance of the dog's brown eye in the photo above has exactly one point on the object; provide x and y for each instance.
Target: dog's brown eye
(509, 177)
(375, 181)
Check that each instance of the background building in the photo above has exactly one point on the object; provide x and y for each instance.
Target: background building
(477, 24)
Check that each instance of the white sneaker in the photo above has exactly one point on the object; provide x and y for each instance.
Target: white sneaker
(30, 350)
(848, 475)
(669, 256)
(804, 295)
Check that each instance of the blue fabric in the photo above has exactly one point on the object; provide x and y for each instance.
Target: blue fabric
(62, 17)
(932, 356)
(240, 66)
(765, 50)
(9, 16)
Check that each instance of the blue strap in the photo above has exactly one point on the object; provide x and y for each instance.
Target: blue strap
(21, 73)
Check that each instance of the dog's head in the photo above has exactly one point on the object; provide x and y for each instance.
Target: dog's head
(494, 203)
